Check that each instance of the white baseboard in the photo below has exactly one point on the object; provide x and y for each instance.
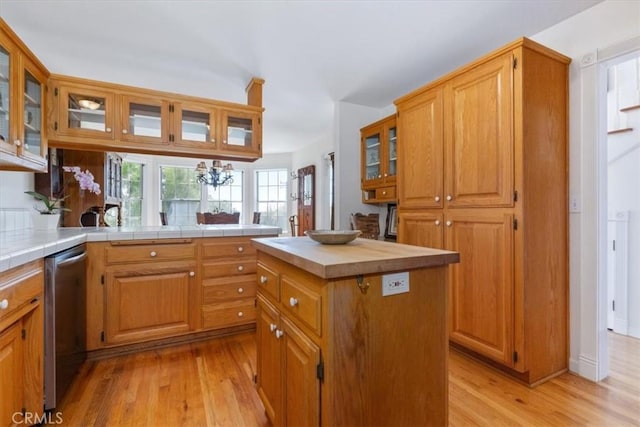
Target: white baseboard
(621, 326)
(587, 367)
(634, 332)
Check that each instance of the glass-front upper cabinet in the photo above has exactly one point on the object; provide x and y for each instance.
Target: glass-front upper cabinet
(392, 156)
(84, 112)
(196, 125)
(145, 120)
(241, 131)
(33, 120)
(5, 99)
(371, 153)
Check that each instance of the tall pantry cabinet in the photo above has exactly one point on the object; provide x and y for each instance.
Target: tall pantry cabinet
(483, 171)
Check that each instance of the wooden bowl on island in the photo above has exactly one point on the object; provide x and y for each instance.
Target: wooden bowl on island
(333, 237)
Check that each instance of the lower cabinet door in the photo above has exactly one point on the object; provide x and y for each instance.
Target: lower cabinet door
(421, 229)
(301, 384)
(11, 372)
(140, 307)
(269, 360)
(482, 284)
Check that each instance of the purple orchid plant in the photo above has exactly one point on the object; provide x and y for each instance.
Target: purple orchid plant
(85, 179)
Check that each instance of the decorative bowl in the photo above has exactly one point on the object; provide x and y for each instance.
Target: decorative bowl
(333, 237)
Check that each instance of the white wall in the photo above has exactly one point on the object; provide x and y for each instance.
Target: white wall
(12, 188)
(581, 37)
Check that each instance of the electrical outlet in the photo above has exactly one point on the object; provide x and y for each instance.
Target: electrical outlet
(396, 283)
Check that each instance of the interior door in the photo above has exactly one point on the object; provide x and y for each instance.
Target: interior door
(306, 199)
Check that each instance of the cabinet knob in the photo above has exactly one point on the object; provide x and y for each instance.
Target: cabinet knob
(240, 314)
(449, 197)
(192, 273)
(437, 222)
(17, 143)
(273, 327)
(240, 268)
(385, 175)
(263, 279)
(240, 249)
(293, 302)
(240, 290)
(108, 129)
(4, 304)
(379, 176)
(279, 333)
(153, 253)
(437, 198)
(224, 141)
(449, 223)
(213, 140)
(384, 193)
(125, 131)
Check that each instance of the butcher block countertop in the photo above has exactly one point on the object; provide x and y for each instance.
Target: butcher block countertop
(361, 256)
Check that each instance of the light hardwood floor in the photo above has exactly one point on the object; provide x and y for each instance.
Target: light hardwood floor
(210, 383)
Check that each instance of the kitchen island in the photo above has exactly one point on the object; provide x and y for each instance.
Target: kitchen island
(352, 334)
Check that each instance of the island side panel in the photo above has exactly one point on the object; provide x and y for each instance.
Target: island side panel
(387, 355)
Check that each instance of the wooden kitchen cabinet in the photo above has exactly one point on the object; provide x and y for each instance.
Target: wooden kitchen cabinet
(23, 133)
(88, 114)
(21, 342)
(483, 170)
(228, 272)
(378, 154)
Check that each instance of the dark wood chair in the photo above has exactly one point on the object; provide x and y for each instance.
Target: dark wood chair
(163, 218)
(293, 225)
(218, 218)
(256, 218)
(368, 224)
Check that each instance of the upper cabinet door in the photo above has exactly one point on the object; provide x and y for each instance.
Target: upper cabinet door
(479, 138)
(85, 112)
(6, 98)
(420, 171)
(32, 135)
(196, 126)
(392, 153)
(144, 120)
(241, 132)
(372, 157)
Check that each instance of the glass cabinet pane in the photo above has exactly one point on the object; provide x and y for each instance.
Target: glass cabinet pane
(87, 112)
(4, 95)
(196, 126)
(239, 131)
(372, 156)
(392, 151)
(145, 120)
(32, 113)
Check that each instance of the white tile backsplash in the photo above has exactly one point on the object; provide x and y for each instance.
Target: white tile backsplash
(14, 219)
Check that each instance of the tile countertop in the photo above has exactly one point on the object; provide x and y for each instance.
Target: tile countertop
(20, 247)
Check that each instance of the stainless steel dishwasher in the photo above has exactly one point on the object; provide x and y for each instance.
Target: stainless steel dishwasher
(65, 310)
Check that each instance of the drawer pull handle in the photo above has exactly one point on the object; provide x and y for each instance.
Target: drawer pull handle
(273, 327)
(384, 193)
(4, 304)
(240, 249)
(153, 253)
(240, 314)
(240, 290)
(240, 268)
(192, 273)
(293, 302)
(263, 279)
(279, 333)
(125, 131)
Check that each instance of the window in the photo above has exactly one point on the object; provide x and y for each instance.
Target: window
(228, 197)
(132, 197)
(180, 194)
(271, 197)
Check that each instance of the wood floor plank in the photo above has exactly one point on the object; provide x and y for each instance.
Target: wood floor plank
(211, 383)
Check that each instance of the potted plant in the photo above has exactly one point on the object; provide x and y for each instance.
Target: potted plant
(50, 213)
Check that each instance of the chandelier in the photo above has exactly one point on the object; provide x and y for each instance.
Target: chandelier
(216, 175)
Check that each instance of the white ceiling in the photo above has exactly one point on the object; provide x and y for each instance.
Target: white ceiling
(311, 53)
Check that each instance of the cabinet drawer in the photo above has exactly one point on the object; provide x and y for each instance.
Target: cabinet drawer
(149, 253)
(228, 288)
(230, 313)
(302, 302)
(268, 281)
(21, 288)
(228, 248)
(386, 193)
(246, 265)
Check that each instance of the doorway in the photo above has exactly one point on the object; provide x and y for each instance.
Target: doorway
(620, 208)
